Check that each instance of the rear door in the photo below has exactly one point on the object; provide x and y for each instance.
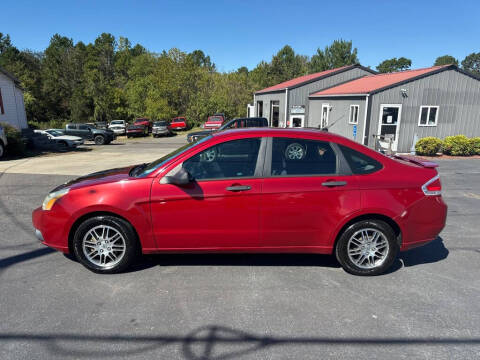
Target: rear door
(308, 189)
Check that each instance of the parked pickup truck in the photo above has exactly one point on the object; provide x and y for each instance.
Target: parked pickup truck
(214, 122)
(232, 124)
(178, 123)
(146, 122)
(119, 127)
(88, 132)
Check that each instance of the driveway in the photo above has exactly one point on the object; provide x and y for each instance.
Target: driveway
(236, 306)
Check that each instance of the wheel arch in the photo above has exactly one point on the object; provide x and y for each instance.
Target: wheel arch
(89, 215)
(371, 216)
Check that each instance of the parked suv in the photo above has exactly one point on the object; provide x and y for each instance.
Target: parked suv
(88, 132)
(119, 127)
(178, 123)
(232, 124)
(3, 141)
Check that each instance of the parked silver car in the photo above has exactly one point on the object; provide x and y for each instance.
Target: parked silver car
(60, 138)
(3, 141)
(161, 128)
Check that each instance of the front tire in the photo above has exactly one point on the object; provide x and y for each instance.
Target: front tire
(105, 244)
(99, 140)
(368, 247)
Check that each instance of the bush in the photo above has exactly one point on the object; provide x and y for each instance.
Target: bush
(15, 144)
(475, 145)
(429, 146)
(458, 145)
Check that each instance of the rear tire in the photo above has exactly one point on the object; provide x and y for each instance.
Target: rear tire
(368, 247)
(2, 150)
(99, 140)
(105, 244)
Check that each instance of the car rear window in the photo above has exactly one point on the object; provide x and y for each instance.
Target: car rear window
(360, 163)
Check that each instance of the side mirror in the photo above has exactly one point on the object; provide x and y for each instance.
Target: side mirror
(181, 177)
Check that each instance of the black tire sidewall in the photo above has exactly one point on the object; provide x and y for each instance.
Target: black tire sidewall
(2, 152)
(119, 224)
(349, 266)
(99, 142)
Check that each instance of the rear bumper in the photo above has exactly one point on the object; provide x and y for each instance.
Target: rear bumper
(423, 222)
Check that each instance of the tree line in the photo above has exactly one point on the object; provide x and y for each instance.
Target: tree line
(114, 79)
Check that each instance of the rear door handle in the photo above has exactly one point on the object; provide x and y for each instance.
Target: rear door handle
(238, 188)
(334, 183)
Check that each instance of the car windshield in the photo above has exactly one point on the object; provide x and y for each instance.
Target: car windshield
(214, 118)
(119, 122)
(160, 123)
(54, 132)
(157, 164)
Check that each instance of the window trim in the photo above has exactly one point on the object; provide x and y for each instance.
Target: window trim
(428, 115)
(352, 106)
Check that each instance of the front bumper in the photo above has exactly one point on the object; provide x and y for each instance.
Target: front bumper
(50, 228)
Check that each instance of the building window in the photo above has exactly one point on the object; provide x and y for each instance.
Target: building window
(428, 116)
(260, 108)
(353, 118)
(2, 109)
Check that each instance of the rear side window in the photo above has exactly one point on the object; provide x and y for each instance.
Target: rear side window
(360, 164)
(302, 157)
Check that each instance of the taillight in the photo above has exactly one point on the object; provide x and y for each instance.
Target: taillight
(432, 186)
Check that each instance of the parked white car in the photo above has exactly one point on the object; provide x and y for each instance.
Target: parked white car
(119, 127)
(60, 138)
(3, 141)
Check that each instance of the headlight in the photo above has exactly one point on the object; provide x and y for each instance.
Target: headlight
(53, 197)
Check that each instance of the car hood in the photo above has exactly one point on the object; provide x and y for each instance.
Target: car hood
(68, 137)
(97, 178)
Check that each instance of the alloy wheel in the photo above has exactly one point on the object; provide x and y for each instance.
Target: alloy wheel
(104, 246)
(368, 248)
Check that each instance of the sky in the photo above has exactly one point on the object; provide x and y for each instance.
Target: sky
(237, 33)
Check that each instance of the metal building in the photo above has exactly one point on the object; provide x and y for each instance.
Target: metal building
(12, 108)
(286, 104)
(437, 101)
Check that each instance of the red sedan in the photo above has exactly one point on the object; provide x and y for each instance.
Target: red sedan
(250, 190)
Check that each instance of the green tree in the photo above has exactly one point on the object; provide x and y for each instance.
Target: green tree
(472, 63)
(445, 60)
(339, 53)
(394, 64)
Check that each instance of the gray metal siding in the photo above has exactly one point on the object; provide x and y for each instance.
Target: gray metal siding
(339, 115)
(267, 99)
(299, 96)
(456, 94)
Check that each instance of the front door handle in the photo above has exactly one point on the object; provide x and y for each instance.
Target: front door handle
(334, 183)
(238, 188)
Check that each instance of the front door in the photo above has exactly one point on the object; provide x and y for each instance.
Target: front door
(306, 195)
(220, 208)
(389, 123)
(324, 116)
(297, 121)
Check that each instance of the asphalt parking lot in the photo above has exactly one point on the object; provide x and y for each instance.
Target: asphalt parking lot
(232, 306)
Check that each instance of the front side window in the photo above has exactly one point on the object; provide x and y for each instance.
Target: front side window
(83, 127)
(428, 116)
(302, 157)
(353, 117)
(360, 164)
(230, 159)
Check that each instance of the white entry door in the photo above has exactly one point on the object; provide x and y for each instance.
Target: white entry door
(296, 121)
(389, 122)
(324, 118)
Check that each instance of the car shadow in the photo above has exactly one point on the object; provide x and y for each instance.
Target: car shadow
(430, 253)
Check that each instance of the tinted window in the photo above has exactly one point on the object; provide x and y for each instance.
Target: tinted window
(71, 127)
(83, 127)
(302, 157)
(231, 159)
(360, 163)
